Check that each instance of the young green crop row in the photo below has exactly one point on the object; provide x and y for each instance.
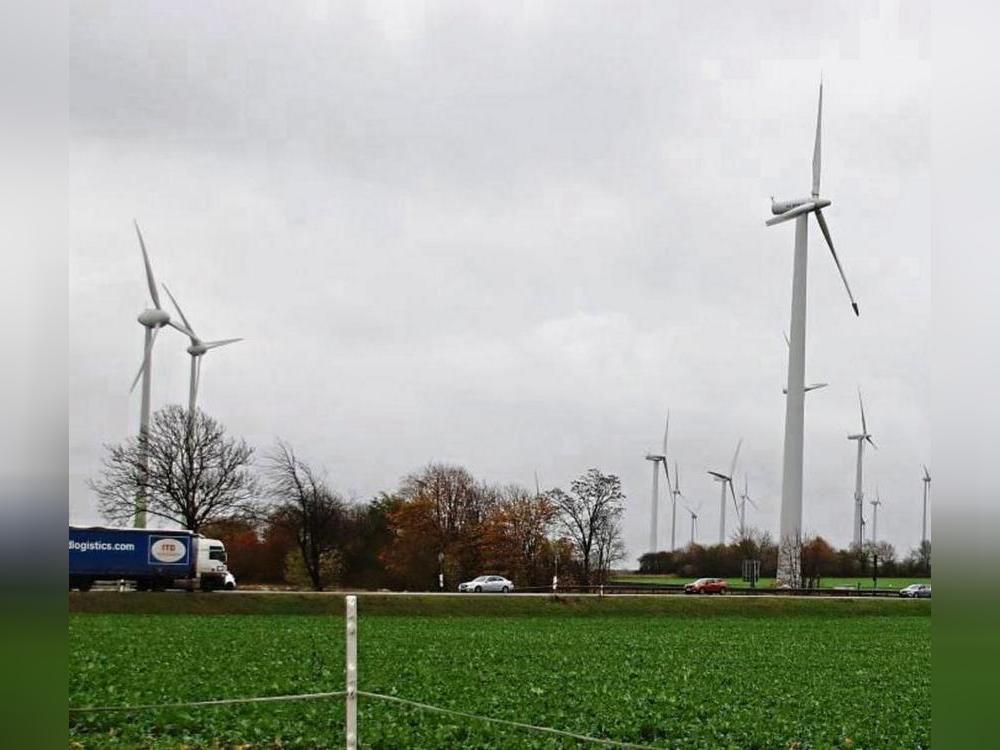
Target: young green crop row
(672, 682)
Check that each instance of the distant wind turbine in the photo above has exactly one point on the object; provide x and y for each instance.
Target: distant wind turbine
(790, 536)
(727, 481)
(875, 503)
(197, 350)
(657, 459)
(694, 520)
(859, 496)
(744, 499)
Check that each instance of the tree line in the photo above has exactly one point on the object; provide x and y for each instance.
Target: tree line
(284, 522)
(819, 559)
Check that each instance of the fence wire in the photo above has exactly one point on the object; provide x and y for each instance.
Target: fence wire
(377, 696)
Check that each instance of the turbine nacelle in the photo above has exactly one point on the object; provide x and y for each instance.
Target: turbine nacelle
(779, 208)
(154, 318)
(655, 457)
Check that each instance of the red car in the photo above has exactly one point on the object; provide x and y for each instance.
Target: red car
(707, 586)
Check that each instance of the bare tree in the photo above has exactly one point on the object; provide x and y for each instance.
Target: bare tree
(590, 514)
(196, 473)
(309, 509)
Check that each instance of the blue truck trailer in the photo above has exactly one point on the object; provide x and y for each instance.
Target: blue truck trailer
(155, 559)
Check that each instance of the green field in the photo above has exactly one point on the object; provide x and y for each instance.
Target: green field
(667, 672)
(763, 583)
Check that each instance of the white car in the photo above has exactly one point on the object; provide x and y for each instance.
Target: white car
(487, 583)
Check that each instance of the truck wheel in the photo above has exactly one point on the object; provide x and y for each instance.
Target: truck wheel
(85, 584)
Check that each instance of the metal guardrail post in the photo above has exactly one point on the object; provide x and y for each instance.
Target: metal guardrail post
(351, 720)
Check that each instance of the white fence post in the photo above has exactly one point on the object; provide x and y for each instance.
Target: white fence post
(351, 723)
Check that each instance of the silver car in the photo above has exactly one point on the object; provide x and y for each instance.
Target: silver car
(916, 591)
(487, 583)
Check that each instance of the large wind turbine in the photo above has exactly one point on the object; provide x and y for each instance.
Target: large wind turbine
(859, 496)
(790, 536)
(657, 459)
(152, 320)
(744, 499)
(675, 492)
(197, 350)
(726, 480)
(927, 489)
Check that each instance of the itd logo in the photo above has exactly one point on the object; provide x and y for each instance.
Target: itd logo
(170, 550)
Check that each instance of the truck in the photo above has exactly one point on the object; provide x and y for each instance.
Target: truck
(155, 559)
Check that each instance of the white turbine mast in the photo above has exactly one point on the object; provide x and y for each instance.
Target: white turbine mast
(726, 480)
(675, 493)
(654, 512)
(152, 320)
(927, 491)
(859, 496)
(811, 386)
(789, 539)
(197, 350)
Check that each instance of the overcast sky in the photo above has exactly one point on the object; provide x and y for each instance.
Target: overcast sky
(509, 236)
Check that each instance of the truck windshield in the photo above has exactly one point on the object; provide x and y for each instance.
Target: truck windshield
(217, 553)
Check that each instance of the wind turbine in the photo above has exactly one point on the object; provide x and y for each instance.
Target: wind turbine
(197, 350)
(152, 320)
(927, 489)
(790, 537)
(675, 492)
(859, 497)
(657, 459)
(875, 503)
(811, 386)
(744, 499)
(694, 520)
(727, 481)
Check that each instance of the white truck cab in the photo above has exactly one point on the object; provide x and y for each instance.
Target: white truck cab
(211, 565)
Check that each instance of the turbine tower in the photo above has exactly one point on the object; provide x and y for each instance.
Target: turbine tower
(859, 496)
(744, 499)
(654, 513)
(790, 535)
(726, 480)
(152, 320)
(875, 503)
(675, 492)
(197, 350)
(927, 490)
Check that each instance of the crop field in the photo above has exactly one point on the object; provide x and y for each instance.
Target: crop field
(763, 583)
(669, 673)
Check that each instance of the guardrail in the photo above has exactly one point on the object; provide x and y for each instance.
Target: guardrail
(610, 589)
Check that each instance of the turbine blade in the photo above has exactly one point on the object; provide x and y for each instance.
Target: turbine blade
(223, 342)
(750, 500)
(815, 386)
(787, 342)
(791, 213)
(538, 489)
(666, 431)
(871, 442)
(732, 492)
(720, 477)
(190, 328)
(146, 354)
(666, 473)
(186, 331)
(732, 468)
(677, 478)
(816, 148)
(927, 475)
(149, 269)
(829, 241)
(864, 424)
